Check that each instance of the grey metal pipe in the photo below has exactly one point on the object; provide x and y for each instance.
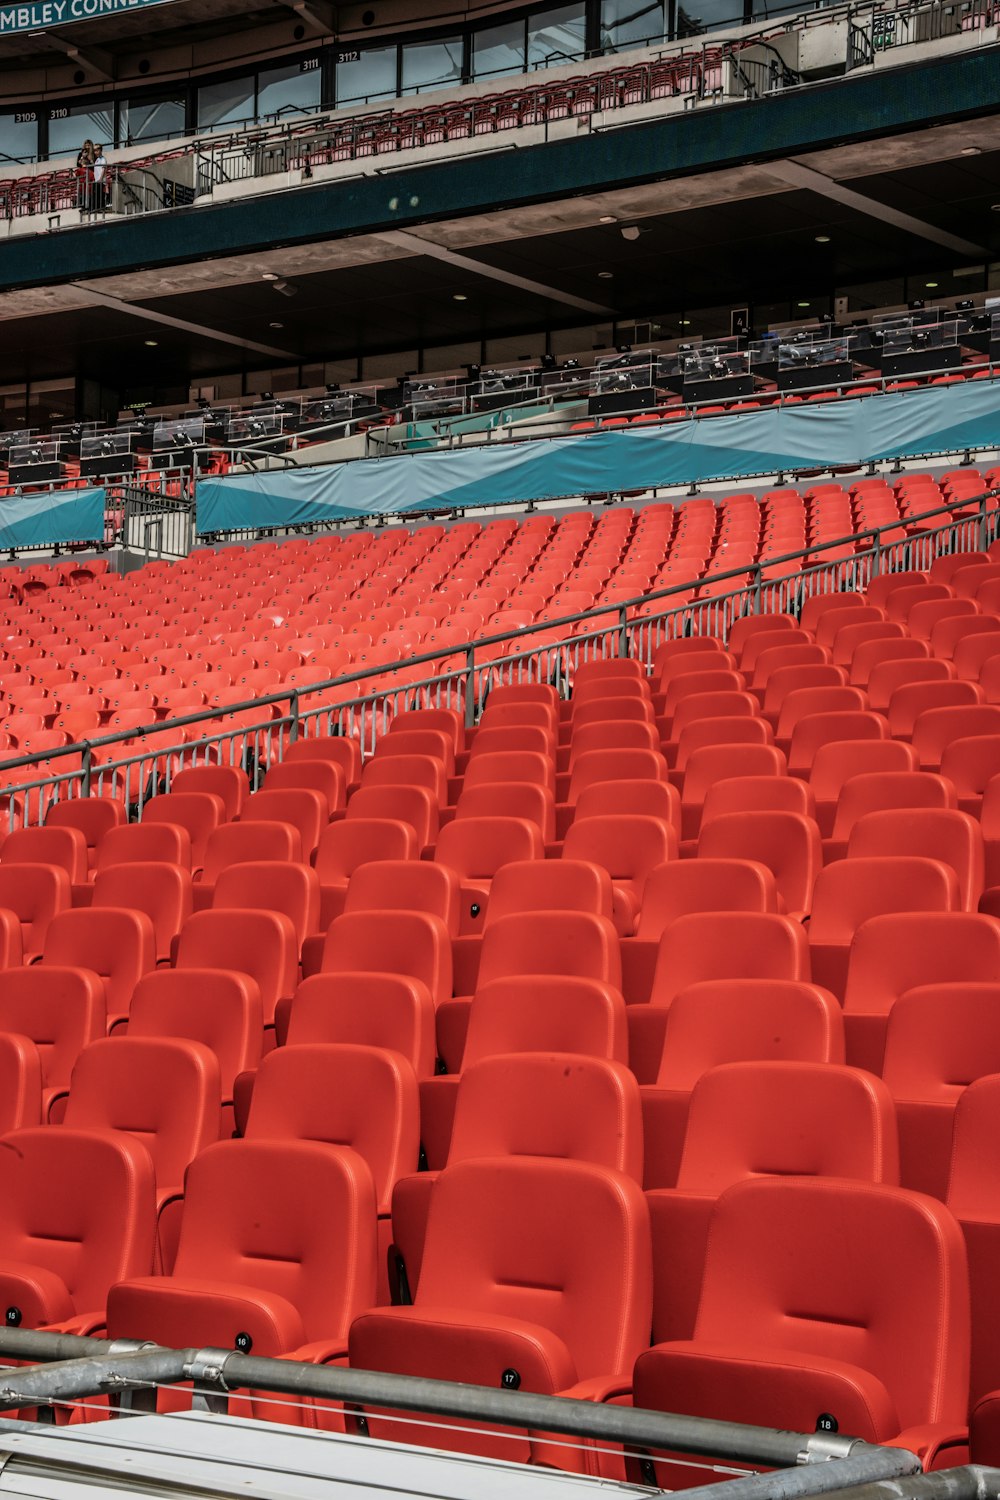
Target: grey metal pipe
(970, 1482)
(865, 1466)
(72, 1379)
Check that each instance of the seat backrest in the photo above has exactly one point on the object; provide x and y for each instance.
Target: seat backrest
(802, 702)
(748, 1020)
(554, 885)
(228, 782)
(876, 791)
(787, 842)
(550, 941)
(713, 763)
(970, 764)
(220, 1008)
(502, 1228)
(260, 943)
(785, 1110)
(704, 885)
(117, 943)
(972, 1187)
(408, 770)
(408, 739)
(837, 762)
(940, 1038)
(935, 728)
(479, 847)
(60, 1009)
(628, 845)
(321, 776)
(515, 799)
(911, 699)
(163, 1090)
(776, 1277)
(243, 1223)
(79, 1204)
(848, 892)
(712, 731)
(651, 799)
(346, 1095)
(727, 945)
(447, 721)
(391, 1011)
(411, 943)
(162, 891)
(547, 1013)
(555, 1104)
(712, 706)
(94, 816)
(51, 845)
(896, 952)
(399, 804)
(239, 843)
(144, 843)
(340, 749)
(351, 842)
(820, 729)
(532, 766)
(538, 739)
(199, 812)
(953, 837)
(615, 765)
(272, 885)
(406, 885)
(34, 893)
(300, 807)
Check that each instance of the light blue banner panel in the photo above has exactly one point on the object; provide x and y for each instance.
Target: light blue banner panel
(40, 15)
(55, 517)
(932, 420)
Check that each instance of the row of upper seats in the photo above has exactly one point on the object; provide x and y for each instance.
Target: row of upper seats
(309, 611)
(542, 1194)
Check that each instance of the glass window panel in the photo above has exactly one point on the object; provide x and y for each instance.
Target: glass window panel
(70, 127)
(556, 36)
(431, 65)
(498, 49)
(630, 23)
(285, 90)
(367, 75)
(222, 104)
(19, 137)
(702, 15)
(150, 119)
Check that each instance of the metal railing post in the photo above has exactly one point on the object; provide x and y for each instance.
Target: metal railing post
(623, 631)
(984, 528)
(758, 580)
(470, 686)
(877, 554)
(293, 714)
(88, 766)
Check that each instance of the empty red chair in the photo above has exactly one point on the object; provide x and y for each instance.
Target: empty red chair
(714, 763)
(556, 1104)
(314, 775)
(888, 677)
(510, 799)
(692, 885)
(65, 847)
(228, 782)
(786, 842)
(20, 1082)
(614, 765)
(116, 943)
(731, 731)
(403, 942)
(940, 1039)
(894, 953)
(936, 728)
(390, 1011)
(92, 1190)
(711, 945)
(93, 816)
(398, 804)
(722, 1021)
(218, 1007)
(465, 1326)
(911, 699)
(934, 833)
(275, 886)
(241, 1231)
(972, 1199)
(629, 847)
(876, 791)
(301, 808)
(784, 1110)
(409, 739)
(848, 892)
(34, 894)
(350, 843)
(802, 702)
(836, 763)
(144, 843)
(61, 1011)
(258, 943)
(476, 849)
(199, 812)
(406, 885)
(776, 1243)
(340, 749)
(245, 843)
(408, 770)
(970, 764)
(817, 730)
(162, 891)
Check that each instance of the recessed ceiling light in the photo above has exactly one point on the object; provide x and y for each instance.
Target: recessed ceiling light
(685, 322)
(459, 297)
(995, 207)
(802, 304)
(972, 151)
(606, 275)
(930, 285)
(269, 276)
(608, 219)
(151, 343)
(822, 239)
(276, 325)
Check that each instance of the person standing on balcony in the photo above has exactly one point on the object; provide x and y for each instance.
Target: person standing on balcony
(100, 169)
(84, 173)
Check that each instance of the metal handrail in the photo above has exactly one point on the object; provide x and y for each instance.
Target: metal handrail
(623, 608)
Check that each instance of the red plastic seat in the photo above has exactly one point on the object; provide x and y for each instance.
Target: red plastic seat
(911, 699)
(90, 1189)
(241, 1232)
(65, 847)
(398, 804)
(552, 1104)
(341, 750)
(970, 765)
(346, 845)
(786, 842)
(272, 886)
(258, 943)
(162, 891)
(219, 1008)
(144, 843)
(61, 1011)
(940, 1039)
(972, 1198)
(93, 816)
(817, 730)
(776, 1244)
(892, 954)
(200, 813)
(711, 764)
(34, 894)
(784, 1110)
(932, 832)
(313, 775)
(391, 1011)
(523, 1215)
(245, 843)
(876, 791)
(724, 1021)
(476, 849)
(630, 847)
(228, 782)
(936, 728)
(301, 808)
(415, 944)
(407, 770)
(115, 943)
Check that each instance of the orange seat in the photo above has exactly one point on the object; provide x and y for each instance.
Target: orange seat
(144, 843)
(398, 804)
(200, 813)
(788, 843)
(817, 730)
(93, 816)
(62, 846)
(476, 849)
(228, 782)
(259, 943)
(301, 808)
(836, 763)
(630, 847)
(391, 1011)
(933, 832)
(406, 885)
(114, 942)
(272, 885)
(346, 845)
(972, 1199)
(220, 1008)
(162, 891)
(314, 775)
(34, 894)
(936, 728)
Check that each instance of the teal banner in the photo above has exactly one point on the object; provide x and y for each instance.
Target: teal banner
(937, 419)
(55, 517)
(40, 15)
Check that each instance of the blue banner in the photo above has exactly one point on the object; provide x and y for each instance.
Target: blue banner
(40, 15)
(55, 517)
(936, 419)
